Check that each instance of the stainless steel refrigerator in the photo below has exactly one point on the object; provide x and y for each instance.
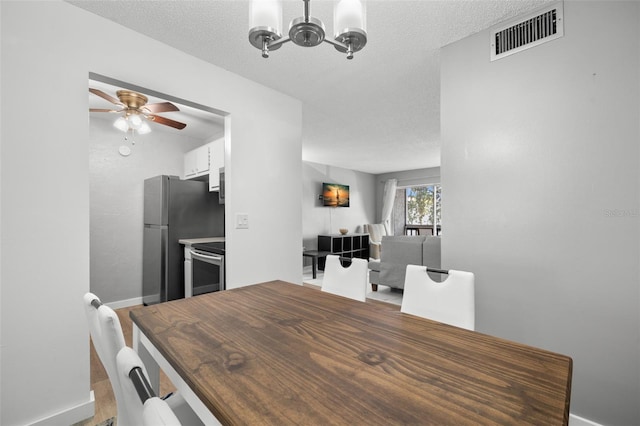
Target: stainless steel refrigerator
(174, 209)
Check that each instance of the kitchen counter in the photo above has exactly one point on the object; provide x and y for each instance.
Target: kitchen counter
(190, 241)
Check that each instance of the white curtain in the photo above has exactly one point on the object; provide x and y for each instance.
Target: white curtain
(387, 203)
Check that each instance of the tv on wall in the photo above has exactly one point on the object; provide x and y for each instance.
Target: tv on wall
(335, 195)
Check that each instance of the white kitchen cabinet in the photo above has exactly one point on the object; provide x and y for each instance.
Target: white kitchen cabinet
(216, 161)
(205, 161)
(196, 162)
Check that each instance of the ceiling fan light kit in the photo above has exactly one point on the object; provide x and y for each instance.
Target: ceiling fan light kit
(132, 122)
(265, 23)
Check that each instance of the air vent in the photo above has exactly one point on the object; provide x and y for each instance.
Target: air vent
(527, 31)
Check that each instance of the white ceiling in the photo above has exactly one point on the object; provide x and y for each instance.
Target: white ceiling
(377, 113)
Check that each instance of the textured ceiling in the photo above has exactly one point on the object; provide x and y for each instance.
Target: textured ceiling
(377, 113)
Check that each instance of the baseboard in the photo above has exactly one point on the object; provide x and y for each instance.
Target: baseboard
(581, 421)
(125, 303)
(71, 415)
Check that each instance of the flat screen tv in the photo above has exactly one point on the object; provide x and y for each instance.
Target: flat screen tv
(335, 195)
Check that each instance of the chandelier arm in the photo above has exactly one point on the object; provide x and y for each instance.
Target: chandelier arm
(342, 47)
(275, 43)
(336, 43)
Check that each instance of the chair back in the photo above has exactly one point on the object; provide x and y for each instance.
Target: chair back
(108, 340)
(451, 301)
(144, 407)
(156, 412)
(376, 231)
(348, 282)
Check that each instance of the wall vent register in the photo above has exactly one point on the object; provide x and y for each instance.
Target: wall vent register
(528, 31)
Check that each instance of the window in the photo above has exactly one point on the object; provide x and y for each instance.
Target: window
(423, 208)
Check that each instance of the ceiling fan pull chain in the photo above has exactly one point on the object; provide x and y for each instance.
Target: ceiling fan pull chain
(126, 136)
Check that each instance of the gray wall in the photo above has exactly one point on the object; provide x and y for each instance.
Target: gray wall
(540, 165)
(317, 219)
(116, 202)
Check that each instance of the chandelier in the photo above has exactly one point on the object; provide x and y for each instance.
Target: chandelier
(265, 27)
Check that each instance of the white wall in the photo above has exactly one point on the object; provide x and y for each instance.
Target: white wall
(48, 50)
(117, 201)
(540, 171)
(318, 219)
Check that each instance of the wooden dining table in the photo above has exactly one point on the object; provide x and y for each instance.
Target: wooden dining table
(278, 353)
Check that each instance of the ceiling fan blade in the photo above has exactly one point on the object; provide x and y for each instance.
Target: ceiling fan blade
(103, 110)
(166, 121)
(105, 96)
(161, 107)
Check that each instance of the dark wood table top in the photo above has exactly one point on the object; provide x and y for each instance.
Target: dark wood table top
(279, 353)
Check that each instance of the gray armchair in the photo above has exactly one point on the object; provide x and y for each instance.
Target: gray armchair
(398, 252)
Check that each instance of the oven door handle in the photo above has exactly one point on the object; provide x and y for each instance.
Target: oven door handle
(205, 258)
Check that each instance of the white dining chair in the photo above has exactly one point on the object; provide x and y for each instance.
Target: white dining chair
(144, 407)
(108, 340)
(107, 337)
(451, 301)
(348, 282)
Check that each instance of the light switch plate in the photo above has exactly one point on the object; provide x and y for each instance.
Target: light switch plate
(242, 221)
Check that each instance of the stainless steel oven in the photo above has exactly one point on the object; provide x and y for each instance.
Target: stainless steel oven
(207, 268)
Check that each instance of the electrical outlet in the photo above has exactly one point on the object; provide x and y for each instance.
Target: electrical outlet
(242, 221)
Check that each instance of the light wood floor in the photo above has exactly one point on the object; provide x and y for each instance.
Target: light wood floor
(105, 402)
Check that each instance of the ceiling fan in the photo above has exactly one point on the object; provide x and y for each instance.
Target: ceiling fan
(133, 107)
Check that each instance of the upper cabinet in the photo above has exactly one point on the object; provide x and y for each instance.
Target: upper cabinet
(196, 162)
(206, 161)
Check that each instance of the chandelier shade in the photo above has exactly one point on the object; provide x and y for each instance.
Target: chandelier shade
(348, 14)
(266, 14)
(265, 27)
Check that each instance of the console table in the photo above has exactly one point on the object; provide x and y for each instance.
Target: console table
(346, 246)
